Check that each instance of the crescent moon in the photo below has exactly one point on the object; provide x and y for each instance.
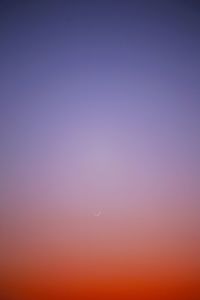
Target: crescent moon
(97, 214)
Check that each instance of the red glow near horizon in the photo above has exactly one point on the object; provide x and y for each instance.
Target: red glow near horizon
(99, 190)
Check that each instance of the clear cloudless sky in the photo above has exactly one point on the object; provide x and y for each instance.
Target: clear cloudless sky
(99, 149)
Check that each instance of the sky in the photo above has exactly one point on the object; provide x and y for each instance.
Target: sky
(99, 149)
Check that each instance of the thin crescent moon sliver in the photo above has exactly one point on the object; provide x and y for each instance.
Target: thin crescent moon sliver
(97, 214)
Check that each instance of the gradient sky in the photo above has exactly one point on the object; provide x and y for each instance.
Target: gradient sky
(99, 111)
